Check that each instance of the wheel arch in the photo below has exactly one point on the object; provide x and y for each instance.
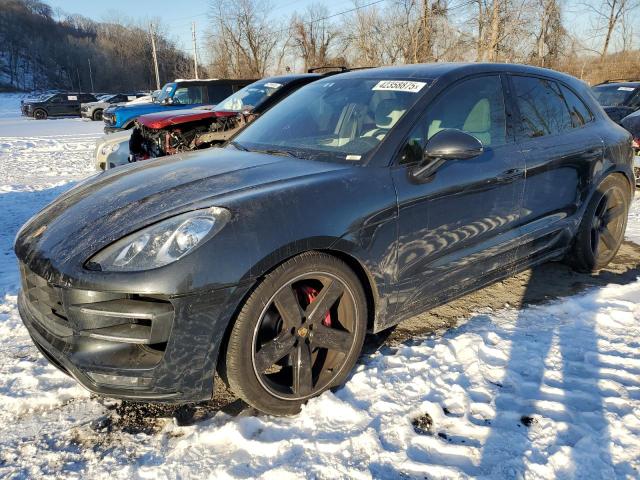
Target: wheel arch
(364, 276)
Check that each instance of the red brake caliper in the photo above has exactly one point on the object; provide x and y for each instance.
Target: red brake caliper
(310, 295)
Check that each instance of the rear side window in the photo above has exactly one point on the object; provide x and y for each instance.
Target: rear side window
(578, 111)
(542, 107)
(219, 92)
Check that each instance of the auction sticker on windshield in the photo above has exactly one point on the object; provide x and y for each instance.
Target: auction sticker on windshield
(399, 86)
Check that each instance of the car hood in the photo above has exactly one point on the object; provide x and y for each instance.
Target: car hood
(164, 119)
(96, 104)
(112, 204)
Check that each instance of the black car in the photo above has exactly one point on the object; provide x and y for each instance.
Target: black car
(632, 124)
(56, 105)
(619, 98)
(166, 133)
(358, 201)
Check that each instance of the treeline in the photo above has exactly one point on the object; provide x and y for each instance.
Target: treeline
(247, 39)
(39, 51)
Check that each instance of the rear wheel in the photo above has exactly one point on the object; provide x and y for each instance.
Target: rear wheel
(40, 114)
(97, 115)
(299, 334)
(602, 229)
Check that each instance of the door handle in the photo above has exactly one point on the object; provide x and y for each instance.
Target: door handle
(509, 175)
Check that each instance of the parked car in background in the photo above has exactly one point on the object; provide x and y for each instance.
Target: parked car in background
(57, 104)
(112, 150)
(632, 124)
(175, 95)
(93, 110)
(356, 202)
(618, 98)
(165, 133)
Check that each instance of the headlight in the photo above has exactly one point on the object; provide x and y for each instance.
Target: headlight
(115, 147)
(161, 243)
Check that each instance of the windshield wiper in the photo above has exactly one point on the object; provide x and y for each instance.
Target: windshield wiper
(238, 146)
(271, 151)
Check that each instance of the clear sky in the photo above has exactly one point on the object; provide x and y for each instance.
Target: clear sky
(177, 15)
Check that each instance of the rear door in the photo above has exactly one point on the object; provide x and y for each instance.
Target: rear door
(559, 140)
(460, 225)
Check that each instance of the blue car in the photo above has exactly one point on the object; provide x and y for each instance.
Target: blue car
(173, 96)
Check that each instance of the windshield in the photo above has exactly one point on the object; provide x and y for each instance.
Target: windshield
(249, 97)
(166, 92)
(613, 95)
(336, 119)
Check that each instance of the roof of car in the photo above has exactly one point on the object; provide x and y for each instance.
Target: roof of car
(618, 84)
(432, 71)
(290, 77)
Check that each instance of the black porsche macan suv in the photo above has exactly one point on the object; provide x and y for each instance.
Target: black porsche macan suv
(358, 201)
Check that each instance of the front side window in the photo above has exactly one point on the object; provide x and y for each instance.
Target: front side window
(336, 119)
(189, 95)
(475, 106)
(543, 110)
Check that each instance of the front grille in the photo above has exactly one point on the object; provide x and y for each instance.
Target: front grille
(109, 118)
(45, 302)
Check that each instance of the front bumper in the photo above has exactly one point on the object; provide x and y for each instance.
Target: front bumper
(108, 129)
(126, 345)
(86, 114)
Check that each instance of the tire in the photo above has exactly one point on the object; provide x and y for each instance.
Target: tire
(97, 115)
(602, 228)
(267, 351)
(40, 114)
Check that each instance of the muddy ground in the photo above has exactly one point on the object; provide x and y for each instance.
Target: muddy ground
(538, 285)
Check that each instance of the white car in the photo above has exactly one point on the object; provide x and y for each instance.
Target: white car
(112, 150)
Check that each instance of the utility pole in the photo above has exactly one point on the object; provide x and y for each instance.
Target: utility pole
(195, 49)
(90, 75)
(79, 84)
(155, 55)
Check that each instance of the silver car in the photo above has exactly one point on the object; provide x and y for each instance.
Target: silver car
(93, 110)
(112, 150)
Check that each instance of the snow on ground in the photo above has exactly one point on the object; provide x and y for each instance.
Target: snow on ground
(548, 391)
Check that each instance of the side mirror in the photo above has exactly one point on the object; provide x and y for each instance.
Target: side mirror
(447, 144)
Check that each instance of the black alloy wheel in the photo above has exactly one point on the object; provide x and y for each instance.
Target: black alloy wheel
(607, 226)
(40, 114)
(97, 115)
(307, 325)
(601, 231)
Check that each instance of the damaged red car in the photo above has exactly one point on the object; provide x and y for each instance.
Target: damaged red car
(167, 133)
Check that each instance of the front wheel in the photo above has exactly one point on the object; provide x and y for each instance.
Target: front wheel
(602, 228)
(40, 114)
(97, 115)
(298, 334)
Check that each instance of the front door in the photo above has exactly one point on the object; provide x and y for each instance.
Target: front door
(460, 225)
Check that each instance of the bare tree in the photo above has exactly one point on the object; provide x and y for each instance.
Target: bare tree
(245, 42)
(550, 33)
(313, 36)
(607, 16)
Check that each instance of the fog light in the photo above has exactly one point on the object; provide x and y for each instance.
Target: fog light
(119, 380)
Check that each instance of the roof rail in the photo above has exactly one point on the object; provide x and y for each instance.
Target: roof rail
(614, 80)
(340, 69)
